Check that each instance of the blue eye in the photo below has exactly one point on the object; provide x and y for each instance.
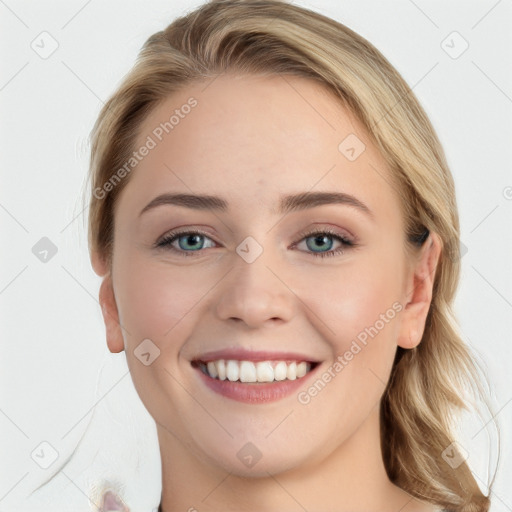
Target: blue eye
(319, 239)
(190, 242)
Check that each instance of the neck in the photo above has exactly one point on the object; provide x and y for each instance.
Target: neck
(351, 478)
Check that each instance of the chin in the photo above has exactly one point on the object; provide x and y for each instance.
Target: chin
(261, 465)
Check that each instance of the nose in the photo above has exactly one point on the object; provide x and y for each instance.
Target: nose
(255, 293)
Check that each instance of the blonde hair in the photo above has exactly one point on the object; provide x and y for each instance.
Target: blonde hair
(271, 37)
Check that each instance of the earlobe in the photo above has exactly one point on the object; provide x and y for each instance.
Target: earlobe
(419, 293)
(108, 305)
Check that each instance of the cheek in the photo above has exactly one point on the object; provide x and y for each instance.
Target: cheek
(359, 309)
(352, 299)
(155, 300)
(359, 314)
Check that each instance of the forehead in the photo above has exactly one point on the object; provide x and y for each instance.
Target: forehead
(252, 138)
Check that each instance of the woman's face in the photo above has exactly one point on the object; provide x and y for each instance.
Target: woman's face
(253, 285)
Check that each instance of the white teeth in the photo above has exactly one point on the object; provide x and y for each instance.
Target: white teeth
(302, 369)
(212, 369)
(232, 370)
(262, 371)
(291, 371)
(247, 372)
(280, 371)
(221, 369)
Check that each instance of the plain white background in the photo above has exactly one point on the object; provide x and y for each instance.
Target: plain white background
(69, 404)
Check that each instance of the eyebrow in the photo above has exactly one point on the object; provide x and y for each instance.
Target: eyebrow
(287, 204)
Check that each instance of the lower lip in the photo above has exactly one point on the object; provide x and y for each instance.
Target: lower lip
(255, 393)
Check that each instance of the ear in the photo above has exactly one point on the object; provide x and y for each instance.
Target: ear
(418, 292)
(108, 304)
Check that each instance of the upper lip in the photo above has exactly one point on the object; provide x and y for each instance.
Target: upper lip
(242, 354)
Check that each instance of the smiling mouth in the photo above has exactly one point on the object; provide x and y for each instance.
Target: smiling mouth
(255, 372)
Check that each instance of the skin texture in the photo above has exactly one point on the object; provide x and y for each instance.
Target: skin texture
(249, 140)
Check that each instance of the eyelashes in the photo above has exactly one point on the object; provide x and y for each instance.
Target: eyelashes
(346, 243)
(318, 236)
